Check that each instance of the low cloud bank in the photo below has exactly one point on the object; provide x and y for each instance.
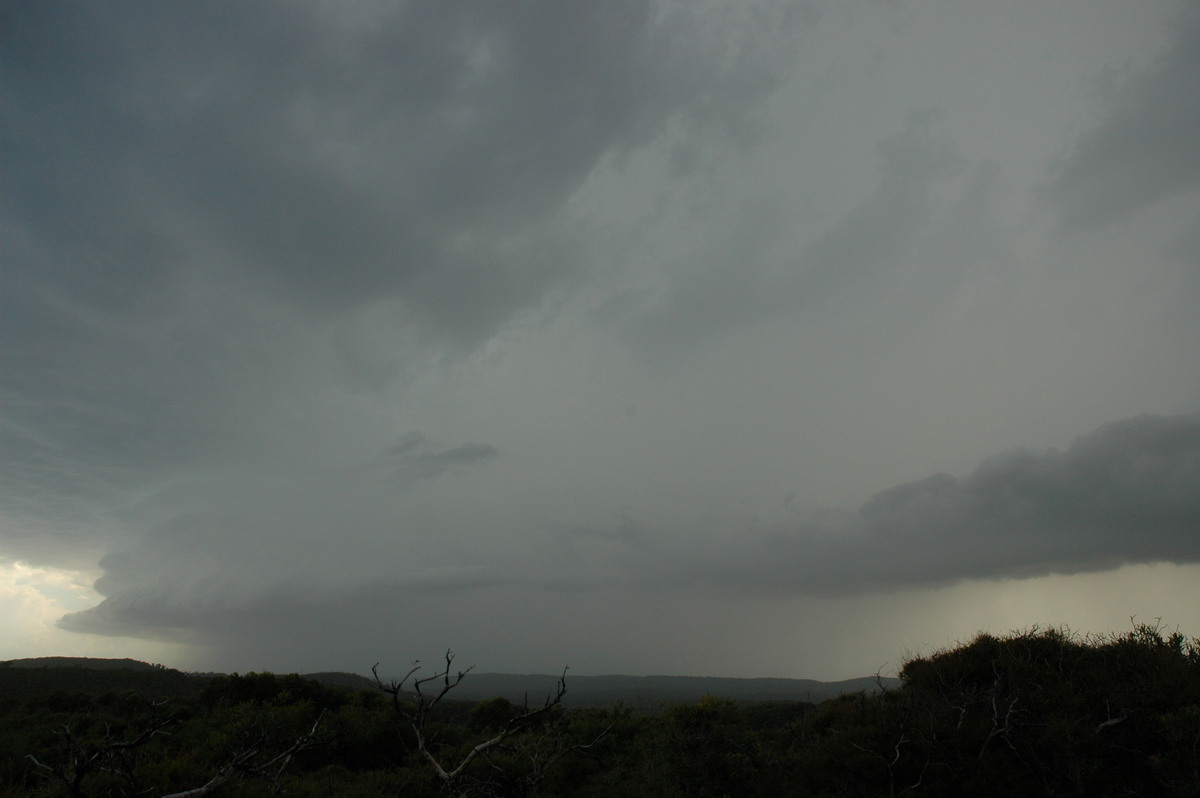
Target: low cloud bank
(1129, 492)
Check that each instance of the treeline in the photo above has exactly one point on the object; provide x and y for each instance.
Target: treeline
(23, 683)
(1039, 712)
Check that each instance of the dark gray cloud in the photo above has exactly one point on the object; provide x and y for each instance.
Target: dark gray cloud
(1126, 493)
(323, 161)
(1145, 149)
(413, 459)
(734, 278)
(216, 216)
(211, 550)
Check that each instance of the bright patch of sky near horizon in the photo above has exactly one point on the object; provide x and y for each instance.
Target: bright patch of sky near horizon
(35, 598)
(638, 336)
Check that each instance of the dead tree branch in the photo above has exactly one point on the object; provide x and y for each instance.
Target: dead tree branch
(79, 758)
(245, 762)
(415, 705)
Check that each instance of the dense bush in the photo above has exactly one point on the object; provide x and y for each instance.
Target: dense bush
(1039, 712)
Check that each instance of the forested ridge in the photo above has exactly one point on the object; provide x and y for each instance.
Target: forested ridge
(1035, 712)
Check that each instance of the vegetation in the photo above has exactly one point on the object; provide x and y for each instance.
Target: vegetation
(1038, 712)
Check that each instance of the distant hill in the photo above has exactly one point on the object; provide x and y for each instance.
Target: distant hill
(82, 662)
(351, 681)
(650, 691)
(47, 675)
(636, 691)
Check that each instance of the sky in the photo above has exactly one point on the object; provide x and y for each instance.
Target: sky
(765, 338)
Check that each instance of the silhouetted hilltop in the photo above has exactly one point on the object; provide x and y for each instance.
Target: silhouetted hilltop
(46, 676)
(643, 691)
(351, 681)
(91, 676)
(90, 663)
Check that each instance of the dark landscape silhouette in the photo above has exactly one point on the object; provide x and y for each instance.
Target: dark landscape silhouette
(1035, 712)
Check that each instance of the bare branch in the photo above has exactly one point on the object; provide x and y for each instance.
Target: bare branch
(424, 703)
(80, 758)
(242, 763)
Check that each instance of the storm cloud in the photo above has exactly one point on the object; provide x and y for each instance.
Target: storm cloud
(1143, 150)
(1124, 494)
(331, 331)
(198, 219)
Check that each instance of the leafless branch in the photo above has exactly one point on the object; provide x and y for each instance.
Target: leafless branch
(242, 763)
(422, 703)
(1001, 718)
(80, 758)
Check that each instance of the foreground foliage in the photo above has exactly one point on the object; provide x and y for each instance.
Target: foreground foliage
(1039, 712)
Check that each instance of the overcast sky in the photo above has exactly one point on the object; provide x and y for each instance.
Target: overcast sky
(762, 338)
